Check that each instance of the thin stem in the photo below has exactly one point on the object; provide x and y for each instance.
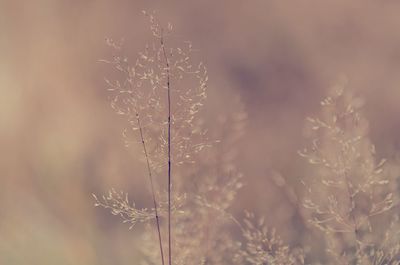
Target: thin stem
(152, 187)
(150, 175)
(169, 148)
(351, 213)
(352, 205)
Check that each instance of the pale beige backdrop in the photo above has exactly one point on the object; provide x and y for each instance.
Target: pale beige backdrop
(60, 141)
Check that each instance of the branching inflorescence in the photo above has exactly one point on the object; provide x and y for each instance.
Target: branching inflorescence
(349, 188)
(264, 246)
(160, 95)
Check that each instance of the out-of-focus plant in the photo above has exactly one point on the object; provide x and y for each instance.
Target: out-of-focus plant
(264, 246)
(349, 197)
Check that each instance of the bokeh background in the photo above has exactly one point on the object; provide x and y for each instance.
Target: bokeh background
(60, 141)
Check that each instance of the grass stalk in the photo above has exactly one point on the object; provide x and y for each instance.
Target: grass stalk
(152, 187)
(169, 147)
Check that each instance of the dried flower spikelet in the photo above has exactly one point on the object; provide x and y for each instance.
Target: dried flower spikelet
(118, 203)
(139, 93)
(264, 246)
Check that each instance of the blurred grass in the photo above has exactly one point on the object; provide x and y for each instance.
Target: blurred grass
(60, 141)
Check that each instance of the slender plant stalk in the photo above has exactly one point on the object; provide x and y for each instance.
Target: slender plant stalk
(352, 216)
(169, 148)
(152, 187)
(351, 205)
(351, 213)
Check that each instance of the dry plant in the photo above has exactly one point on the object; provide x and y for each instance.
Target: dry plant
(264, 246)
(161, 95)
(349, 198)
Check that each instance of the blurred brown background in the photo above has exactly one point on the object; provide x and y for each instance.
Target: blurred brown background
(60, 141)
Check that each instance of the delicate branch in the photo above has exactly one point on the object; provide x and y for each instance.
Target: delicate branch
(152, 188)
